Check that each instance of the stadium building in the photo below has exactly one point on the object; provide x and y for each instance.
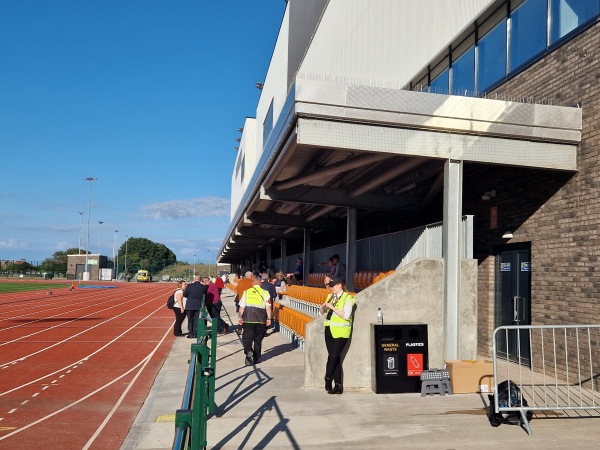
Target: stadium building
(453, 142)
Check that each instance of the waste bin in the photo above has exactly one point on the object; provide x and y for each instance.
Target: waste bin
(401, 354)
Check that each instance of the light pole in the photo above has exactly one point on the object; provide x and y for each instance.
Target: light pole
(88, 179)
(99, 238)
(126, 239)
(80, 217)
(208, 263)
(194, 266)
(116, 261)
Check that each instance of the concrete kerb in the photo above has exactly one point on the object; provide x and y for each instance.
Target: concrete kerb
(266, 406)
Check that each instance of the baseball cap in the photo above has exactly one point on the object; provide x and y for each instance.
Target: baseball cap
(335, 280)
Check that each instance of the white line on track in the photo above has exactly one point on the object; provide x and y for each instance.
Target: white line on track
(118, 305)
(160, 308)
(73, 336)
(86, 301)
(142, 363)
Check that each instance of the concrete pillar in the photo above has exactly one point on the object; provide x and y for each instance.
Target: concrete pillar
(453, 174)
(283, 267)
(351, 221)
(306, 255)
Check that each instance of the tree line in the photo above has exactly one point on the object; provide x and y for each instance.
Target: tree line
(139, 253)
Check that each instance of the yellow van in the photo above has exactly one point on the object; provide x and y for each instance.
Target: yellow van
(143, 275)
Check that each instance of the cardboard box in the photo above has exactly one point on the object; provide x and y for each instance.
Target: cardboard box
(468, 377)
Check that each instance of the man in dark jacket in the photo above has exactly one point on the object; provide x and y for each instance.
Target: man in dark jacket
(195, 294)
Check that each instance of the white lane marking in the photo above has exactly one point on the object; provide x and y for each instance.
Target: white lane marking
(24, 402)
(64, 323)
(62, 376)
(142, 363)
(36, 394)
(12, 410)
(85, 302)
(159, 309)
(69, 371)
(75, 335)
(130, 385)
(45, 387)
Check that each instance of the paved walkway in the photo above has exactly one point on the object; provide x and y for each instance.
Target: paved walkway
(267, 407)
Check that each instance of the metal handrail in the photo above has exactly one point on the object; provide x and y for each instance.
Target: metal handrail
(199, 394)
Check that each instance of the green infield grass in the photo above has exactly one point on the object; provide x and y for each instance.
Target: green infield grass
(10, 287)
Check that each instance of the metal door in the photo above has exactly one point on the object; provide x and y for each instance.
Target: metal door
(513, 302)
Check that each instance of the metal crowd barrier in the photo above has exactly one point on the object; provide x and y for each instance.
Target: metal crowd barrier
(199, 395)
(555, 367)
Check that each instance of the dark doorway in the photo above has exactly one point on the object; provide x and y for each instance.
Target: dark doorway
(513, 301)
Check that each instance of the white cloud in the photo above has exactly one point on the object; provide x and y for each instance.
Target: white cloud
(196, 207)
(13, 244)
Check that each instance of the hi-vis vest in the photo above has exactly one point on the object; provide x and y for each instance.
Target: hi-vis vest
(255, 310)
(340, 328)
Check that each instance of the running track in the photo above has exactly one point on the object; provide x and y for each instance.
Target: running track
(76, 366)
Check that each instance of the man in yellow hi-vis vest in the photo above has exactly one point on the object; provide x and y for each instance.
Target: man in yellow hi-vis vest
(254, 317)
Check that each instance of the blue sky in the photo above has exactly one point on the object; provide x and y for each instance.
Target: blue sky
(146, 96)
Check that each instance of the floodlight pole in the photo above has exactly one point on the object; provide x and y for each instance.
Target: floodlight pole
(99, 239)
(89, 179)
(116, 261)
(126, 239)
(80, 217)
(208, 263)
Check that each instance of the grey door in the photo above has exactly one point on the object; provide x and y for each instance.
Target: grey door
(513, 302)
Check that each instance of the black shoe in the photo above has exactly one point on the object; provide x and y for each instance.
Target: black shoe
(256, 360)
(338, 389)
(191, 336)
(248, 360)
(328, 384)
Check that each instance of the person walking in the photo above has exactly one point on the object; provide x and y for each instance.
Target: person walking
(179, 308)
(339, 308)
(241, 287)
(254, 317)
(195, 294)
(214, 304)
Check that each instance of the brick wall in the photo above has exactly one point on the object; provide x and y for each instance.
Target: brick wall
(558, 213)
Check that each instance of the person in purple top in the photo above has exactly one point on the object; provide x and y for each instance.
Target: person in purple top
(214, 305)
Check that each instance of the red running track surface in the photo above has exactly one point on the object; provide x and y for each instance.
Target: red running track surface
(76, 366)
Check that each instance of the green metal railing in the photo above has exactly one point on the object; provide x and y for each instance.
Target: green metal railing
(199, 395)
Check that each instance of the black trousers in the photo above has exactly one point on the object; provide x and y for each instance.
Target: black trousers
(335, 347)
(253, 334)
(179, 316)
(192, 317)
(215, 313)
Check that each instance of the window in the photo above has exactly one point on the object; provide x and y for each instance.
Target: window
(268, 124)
(440, 77)
(463, 73)
(491, 56)
(441, 83)
(527, 31)
(566, 15)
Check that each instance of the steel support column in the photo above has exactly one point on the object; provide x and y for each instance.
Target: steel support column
(351, 221)
(451, 245)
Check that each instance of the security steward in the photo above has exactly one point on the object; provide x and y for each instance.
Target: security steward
(254, 317)
(339, 309)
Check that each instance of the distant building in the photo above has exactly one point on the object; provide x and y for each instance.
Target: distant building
(76, 266)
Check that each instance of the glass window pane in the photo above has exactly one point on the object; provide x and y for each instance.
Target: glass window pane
(441, 83)
(569, 14)
(463, 74)
(527, 31)
(491, 57)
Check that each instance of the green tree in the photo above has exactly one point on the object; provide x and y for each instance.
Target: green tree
(142, 253)
(58, 261)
